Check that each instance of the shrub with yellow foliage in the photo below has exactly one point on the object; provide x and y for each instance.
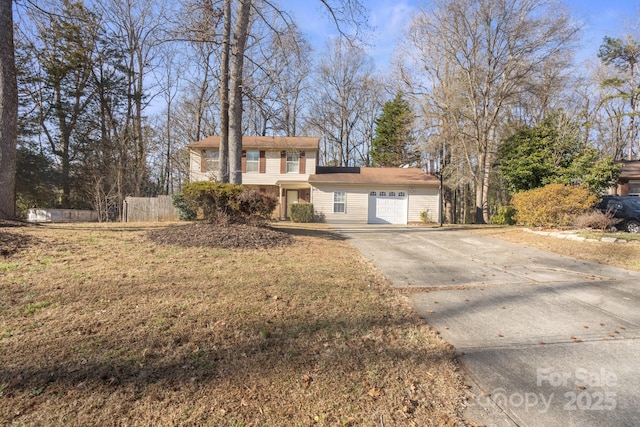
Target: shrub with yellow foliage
(554, 205)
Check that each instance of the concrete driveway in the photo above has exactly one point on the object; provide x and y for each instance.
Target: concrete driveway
(546, 340)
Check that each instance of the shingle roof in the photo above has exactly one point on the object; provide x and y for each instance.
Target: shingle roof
(264, 142)
(379, 176)
(630, 169)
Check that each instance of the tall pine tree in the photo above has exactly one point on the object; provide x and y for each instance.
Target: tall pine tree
(394, 143)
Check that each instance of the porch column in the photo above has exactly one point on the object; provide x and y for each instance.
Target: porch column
(280, 213)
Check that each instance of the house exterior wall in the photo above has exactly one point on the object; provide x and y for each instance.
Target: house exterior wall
(195, 174)
(357, 203)
(272, 169)
(421, 199)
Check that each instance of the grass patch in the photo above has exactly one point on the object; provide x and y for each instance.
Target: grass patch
(31, 308)
(6, 267)
(629, 237)
(156, 334)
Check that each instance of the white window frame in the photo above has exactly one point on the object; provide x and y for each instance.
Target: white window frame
(293, 162)
(252, 161)
(212, 158)
(634, 185)
(339, 202)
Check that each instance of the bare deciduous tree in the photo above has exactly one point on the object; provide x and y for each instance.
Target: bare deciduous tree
(345, 105)
(623, 55)
(489, 50)
(139, 26)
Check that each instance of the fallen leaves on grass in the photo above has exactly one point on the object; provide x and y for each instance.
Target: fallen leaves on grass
(625, 255)
(12, 242)
(143, 333)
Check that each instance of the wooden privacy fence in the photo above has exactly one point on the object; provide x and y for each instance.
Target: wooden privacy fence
(149, 209)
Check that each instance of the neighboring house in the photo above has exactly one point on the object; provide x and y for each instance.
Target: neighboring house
(629, 180)
(287, 168)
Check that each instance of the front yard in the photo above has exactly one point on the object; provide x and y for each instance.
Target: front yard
(100, 325)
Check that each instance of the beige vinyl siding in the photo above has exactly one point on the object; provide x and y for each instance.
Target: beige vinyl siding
(272, 169)
(195, 170)
(357, 203)
(420, 199)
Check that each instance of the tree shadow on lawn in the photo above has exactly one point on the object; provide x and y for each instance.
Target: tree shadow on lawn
(10, 243)
(267, 361)
(310, 232)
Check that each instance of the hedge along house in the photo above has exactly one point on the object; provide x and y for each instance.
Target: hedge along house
(278, 166)
(287, 168)
(375, 195)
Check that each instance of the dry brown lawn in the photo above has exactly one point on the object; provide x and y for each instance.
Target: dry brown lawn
(101, 325)
(624, 254)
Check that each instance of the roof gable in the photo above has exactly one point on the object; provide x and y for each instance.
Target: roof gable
(630, 169)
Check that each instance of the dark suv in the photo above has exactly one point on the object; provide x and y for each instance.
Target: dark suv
(626, 208)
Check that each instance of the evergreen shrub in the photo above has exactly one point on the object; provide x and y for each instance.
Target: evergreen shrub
(504, 216)
(224, 203)
(301, 212)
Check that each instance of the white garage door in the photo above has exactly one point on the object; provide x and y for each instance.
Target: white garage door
(388, 207)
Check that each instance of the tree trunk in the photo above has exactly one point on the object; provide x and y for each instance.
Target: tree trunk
(140, 147)
(235, 109)
(8, 113)
(479, 185)
(223, 159)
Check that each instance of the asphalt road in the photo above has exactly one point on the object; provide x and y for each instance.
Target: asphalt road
(545, 340)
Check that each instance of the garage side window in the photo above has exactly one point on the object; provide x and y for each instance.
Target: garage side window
(339, 202)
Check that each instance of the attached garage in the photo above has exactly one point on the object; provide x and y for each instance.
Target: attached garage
(388, 207)
(374, 195)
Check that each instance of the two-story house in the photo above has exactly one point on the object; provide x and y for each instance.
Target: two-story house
(278, 166)
(287, 168)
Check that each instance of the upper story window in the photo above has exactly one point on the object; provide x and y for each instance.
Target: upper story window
(253, 161)
(211, 160)
(293, 162)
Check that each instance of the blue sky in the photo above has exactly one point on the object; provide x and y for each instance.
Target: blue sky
(389, 19)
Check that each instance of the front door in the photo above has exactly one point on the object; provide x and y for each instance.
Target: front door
(292, 198)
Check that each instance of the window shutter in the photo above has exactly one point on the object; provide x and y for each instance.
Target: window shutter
(203, 161)
(283, 162)
(302, 163)
(263, 162)
(244, 161)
